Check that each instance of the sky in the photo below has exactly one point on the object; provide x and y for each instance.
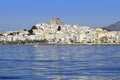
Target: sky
(23, 14)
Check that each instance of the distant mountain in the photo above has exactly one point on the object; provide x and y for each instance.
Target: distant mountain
(113, 27)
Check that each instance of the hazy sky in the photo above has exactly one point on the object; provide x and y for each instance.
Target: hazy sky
(20, 14)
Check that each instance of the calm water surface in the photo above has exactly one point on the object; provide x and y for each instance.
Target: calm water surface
(60, 63)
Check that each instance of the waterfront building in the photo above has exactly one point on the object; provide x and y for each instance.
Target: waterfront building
(57, 32)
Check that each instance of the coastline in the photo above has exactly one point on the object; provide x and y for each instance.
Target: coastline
(59, 44)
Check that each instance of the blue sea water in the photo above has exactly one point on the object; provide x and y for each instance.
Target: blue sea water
(60, 63)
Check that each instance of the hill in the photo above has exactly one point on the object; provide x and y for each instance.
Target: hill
(113, 27)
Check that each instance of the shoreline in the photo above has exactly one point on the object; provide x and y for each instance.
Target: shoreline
(61, 44)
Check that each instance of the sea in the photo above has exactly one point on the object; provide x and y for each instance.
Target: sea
(59, 62)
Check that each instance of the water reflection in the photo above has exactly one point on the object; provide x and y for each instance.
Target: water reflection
(75, 62)
(60, 63)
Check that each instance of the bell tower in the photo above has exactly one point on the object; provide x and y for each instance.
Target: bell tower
(56, 21)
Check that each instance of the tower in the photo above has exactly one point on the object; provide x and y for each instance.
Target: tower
(56, 21)
(52, 21)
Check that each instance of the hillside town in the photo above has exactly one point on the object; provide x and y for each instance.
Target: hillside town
(58, 33)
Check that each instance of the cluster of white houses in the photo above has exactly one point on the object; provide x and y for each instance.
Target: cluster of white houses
(58, 33)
